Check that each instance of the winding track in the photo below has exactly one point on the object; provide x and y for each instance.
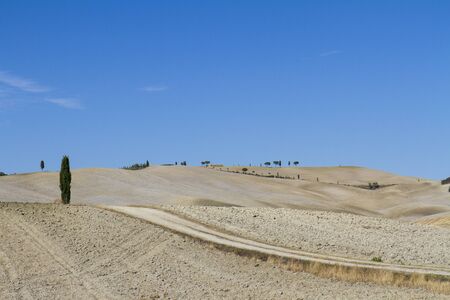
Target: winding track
(199, 231)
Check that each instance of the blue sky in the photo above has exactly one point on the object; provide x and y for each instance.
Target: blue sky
(111, 83)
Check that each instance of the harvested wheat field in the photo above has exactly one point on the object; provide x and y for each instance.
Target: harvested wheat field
(328, 233)
(399, 197)
(216, 150)
(194, 232)
(82, 252)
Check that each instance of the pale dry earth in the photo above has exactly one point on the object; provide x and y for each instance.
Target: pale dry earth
(344, 174)
(441, 220)
(328, 233)
(79, 252)
(406, 198)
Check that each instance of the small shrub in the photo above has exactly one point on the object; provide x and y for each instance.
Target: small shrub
(373, 186)
(244, 169)
(377, 259)
(446, 181)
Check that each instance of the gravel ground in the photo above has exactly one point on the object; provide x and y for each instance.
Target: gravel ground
(331, 233)
(50, 251)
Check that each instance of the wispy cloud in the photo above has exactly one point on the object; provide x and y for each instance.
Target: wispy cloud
(15, 90)
(68, 103)
(154, 88)
(22, 84)
(328, 53)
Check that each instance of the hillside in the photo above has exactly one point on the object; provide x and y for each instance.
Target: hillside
(403, 197)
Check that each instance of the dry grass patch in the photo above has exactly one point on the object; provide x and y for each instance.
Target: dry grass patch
(435, 283)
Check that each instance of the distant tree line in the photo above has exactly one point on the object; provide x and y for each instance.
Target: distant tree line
(245, 171)
(278, 163)
(137, 166)
(275, 163)
(205, 163)
(3, 174)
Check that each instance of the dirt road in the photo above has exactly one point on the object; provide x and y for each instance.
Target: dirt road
(50, 251)
(196, 230)
(330, 233)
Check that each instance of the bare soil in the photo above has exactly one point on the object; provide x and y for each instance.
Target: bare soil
(331, 233)
(405, 198)
(81, 252)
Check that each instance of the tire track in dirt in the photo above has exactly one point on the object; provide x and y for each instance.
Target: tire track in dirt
(408, 274)
(12, 276)
(123, 252)
(134, 263)
(41, 243)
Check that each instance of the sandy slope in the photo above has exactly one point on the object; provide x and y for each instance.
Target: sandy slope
(345, 175)
(442, 220)
(408, 199)
(54, 251)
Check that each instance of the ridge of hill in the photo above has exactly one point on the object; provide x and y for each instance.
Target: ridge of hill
(402, 197)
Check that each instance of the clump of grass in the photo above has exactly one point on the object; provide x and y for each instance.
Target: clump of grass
(377, 259)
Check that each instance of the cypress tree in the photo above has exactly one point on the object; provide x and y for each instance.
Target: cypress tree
(42, 165)
(65, 177)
